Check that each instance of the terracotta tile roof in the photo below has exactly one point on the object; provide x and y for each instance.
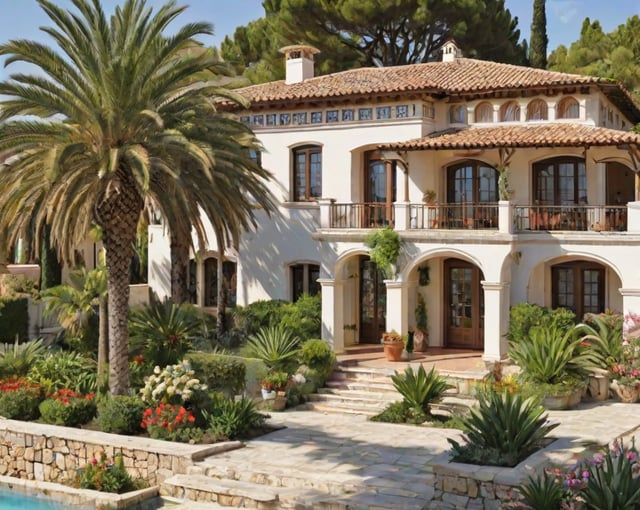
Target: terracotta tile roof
(460, 77)
(529, 135)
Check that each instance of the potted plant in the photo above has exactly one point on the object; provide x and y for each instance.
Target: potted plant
(421, 336)
(429, 197)
(273, 383)
(393, 345)
(385, 250)
(553, 364)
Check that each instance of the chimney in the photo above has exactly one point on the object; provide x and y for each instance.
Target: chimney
(450, 51)
(299, 62)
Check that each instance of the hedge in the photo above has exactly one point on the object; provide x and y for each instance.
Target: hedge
(14, 319)
(219, 372)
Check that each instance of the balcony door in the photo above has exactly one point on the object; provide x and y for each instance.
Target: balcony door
(373, 302)
(464, 305)
(470, 183)
(380, 191)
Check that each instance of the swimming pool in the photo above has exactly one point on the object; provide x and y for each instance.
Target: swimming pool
(10, 500)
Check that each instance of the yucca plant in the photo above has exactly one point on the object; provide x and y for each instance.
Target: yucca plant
(420, 389)
(550, 355)
(276, 346)
(17, 358)
(543, 492)
(502, 431)
(234, 418)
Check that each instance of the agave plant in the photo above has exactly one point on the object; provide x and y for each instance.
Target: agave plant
(605, 340)
(276, 346)
(550, 355)
(419, 389)
(503, 430)
(543, 492)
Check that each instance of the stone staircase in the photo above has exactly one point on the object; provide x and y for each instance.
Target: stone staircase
(352, 388)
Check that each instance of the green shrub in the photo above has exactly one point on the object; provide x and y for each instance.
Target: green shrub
(317, 354)
(120, 414)
(524, 316)
(234, 419)
(100, 475)
(258, 315)
(550, 355)
(69, 408)
(14, 319)
(276, 346)
(163, 332)
(384, 245)
(419, 389)
(19, 399)
(304, 317)
(64, 369)
(226, 374)
(16, 359)
(401, 412)
(502, 431)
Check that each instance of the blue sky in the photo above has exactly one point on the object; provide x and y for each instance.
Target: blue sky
(22, 18)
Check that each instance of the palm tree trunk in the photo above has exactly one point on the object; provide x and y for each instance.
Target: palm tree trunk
(103, 340)
(179, 269)
(221, 294)
(117, 213)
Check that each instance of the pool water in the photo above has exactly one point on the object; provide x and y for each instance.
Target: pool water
(17, 501)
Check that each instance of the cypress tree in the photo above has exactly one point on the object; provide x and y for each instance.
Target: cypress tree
(539, 39)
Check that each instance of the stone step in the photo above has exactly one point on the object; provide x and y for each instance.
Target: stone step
(205, 490)
(359, 385)
(274, 475)
(337, 407)
(355, 397)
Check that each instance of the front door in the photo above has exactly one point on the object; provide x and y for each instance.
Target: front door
(373, 302)
(464, 305)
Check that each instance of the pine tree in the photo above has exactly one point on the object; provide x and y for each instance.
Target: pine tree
(539, 39)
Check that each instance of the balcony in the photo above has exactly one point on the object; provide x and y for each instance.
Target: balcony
(505, 217)
(578, 218)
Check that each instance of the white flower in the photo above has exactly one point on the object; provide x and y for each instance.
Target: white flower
(299, 379)
(156, 370)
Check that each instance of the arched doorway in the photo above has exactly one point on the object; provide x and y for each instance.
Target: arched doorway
(373, 302)
(380, 190)
(464, 305)
(578, 286)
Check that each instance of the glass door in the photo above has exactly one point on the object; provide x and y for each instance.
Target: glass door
(380, 192)
(465, 305)
(373, 302)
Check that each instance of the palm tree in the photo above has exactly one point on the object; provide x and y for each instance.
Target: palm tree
(111, 122)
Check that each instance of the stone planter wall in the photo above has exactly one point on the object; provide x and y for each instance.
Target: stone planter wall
(49, 453)
(472, 487)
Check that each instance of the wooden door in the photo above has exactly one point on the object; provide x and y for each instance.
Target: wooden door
(464, 305)
(373, 302)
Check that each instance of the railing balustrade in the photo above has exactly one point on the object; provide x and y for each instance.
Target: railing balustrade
(361, 215)
(595, 218)
(454, 216)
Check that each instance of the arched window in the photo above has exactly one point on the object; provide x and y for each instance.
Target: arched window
(472, 182)
(307, 173)
(559, 181)
(568, 108)
(578, 286)
(484, 112)
(211, 281)
(537, 110)
(304, 280)
(457, 114)
(510, 112)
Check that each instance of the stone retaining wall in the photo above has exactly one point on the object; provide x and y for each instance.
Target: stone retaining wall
(471, 487)
(49, 453)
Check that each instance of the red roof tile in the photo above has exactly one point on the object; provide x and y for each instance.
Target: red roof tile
(529, 135)
(460, 77)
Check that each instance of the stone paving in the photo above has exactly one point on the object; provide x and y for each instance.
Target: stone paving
(387, 465)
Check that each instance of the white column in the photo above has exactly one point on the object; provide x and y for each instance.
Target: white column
(496, 318)
(332, 314)
(633, 217)
(505, 217)
(630, 300)
(397, 306)
(325, 211)
(401, 213)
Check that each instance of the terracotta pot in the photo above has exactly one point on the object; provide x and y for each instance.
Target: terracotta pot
(562, 402)
(279, 403)
(599, 386)
(629, 394)
(393, 350)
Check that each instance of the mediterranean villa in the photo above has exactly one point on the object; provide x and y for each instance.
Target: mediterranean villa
(506, 184)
